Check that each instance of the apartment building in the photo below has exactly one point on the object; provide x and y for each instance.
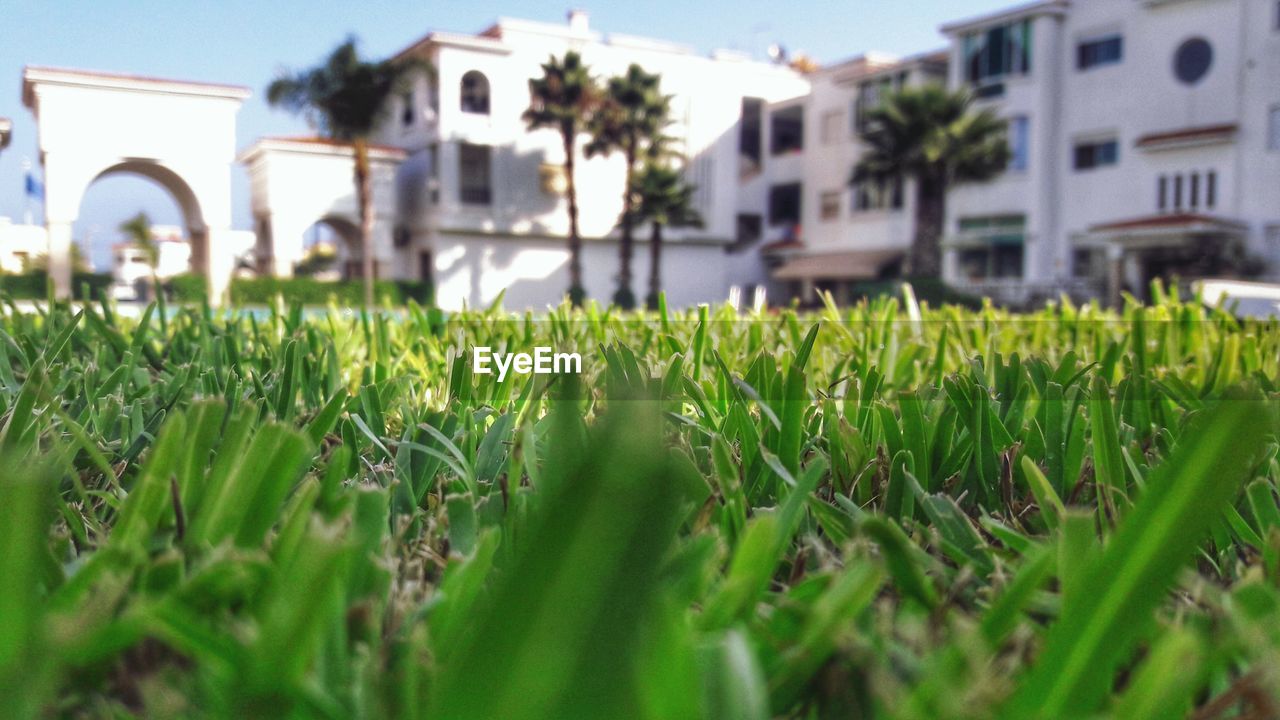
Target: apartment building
(824, 232)
(1145, 137)
(481, 201)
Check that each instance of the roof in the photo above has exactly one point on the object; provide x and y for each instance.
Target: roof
(850, 265)
(1039, 7)
(1182, 222)
(1189, 136)
(316, 145)
(35, 74)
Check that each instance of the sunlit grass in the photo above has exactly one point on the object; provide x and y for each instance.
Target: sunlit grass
(848, 513)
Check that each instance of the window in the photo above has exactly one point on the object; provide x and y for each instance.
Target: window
(433, 172)
(787, 130)
(749, 132)
(425, 265)
(871, 94)
(784, 204)
(1019, 143)
(830, 206)
(1101, 51)
(1162, 193)
(406, 109)
(750, 229)
(1177, 192)
(870, 195)
(1086, 263)
(1096, 154)
(475, 93)
(1195, 190)
(997, 52)
(474, 174)
(1273, 128)
(832, 126)
(1192, 60)
(993, 247)
(1211, 189)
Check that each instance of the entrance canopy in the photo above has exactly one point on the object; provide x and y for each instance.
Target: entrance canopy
(1175, 230)
(1142, 249)
(851, 265)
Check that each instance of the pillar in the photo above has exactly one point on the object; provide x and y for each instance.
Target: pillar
(1115, 274)
(219, 265)
(60, 258)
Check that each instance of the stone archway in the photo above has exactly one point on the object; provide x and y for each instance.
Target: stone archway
(279, 168)
(178, 134)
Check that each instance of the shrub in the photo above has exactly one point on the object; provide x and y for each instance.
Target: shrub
(34, 285)
(187, 288)
(263, 290)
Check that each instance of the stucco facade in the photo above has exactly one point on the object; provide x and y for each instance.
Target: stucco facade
(503, 225)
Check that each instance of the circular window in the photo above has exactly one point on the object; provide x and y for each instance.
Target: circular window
(1192, 61)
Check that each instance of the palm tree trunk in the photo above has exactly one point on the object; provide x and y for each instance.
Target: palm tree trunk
(925, 260)
(364, 196)
(576, 292)
(655, 266)
(625, 298)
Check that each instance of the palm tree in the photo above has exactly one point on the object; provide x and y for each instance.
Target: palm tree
(934, 137)
(564, 99)
(344, 98)
(137, 230)
(633, 116)
(663, 199)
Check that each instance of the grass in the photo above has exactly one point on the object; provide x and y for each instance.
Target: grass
(861, 512)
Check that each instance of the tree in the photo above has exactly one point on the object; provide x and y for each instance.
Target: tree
(933, 136)
(632, 116)
(663, 199)
(137, 230)
(344, 98)
(564, 99)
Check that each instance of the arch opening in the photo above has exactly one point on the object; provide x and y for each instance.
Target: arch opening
(475, 93)
(330, 250)
(179, 234)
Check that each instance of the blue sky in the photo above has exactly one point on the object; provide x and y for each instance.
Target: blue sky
(246, 42)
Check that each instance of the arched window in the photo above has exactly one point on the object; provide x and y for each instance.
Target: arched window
(475, 93)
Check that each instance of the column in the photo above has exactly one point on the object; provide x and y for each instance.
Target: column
(1115, 274)
(60, 258)
(219, 265)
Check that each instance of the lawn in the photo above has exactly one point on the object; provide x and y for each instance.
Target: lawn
(863, 512)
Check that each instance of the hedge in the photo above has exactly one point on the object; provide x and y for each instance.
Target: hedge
(34, 285)
(258, 291)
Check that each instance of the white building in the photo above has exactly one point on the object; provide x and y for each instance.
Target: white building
(1145, 138)
(20, 244)
(1150, 132)
(131, 263)
(481, 201)
(822, 232)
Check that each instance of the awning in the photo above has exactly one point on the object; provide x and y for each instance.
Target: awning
(1188, 137)
(1168, 229)
(852, 265)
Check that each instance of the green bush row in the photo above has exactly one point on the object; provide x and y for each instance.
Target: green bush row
(34, 285)
(192, 288)
(256, 291)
